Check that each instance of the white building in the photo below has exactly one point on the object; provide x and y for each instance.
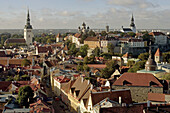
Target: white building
(28, 35)
(131, 29)
(160, 38)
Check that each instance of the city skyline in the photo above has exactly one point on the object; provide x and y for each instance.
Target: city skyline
(56, 14)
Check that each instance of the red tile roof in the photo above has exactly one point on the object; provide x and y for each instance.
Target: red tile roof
(15, 40)
(156, 33)
(112, 95)
(158, 97)
(4, 85)
(138, 79)
(158, 53)
(92, 39)
(44, 49)
(126, 55)
(78, 35)
(62, 79)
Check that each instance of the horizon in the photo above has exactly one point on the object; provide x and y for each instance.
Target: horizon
(55, 14)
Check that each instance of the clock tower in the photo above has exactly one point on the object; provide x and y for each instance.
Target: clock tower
(28, 35)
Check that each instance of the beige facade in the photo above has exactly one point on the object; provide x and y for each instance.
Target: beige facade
(92, 44)
(140, 93)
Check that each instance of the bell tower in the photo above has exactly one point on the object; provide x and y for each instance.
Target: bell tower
(132, 25)
(28, 35)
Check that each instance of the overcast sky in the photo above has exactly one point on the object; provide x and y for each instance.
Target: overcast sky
(69, 14)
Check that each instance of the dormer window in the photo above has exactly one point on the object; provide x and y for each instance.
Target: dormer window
(77, 93)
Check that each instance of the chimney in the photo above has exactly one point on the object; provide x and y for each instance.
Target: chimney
(120, 100)
(82, 79)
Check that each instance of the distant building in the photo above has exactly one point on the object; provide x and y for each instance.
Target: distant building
(28, 35)
(15, 41)
(160, 38)
(107, 29)
(83, 29)
(59, 38)
(158, 56)
(132, 27)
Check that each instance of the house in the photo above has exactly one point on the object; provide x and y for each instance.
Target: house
(92, 42)
(140, 85)
(76, 39)
(15, 41)
(65, 89)
(40, 107)
(160, 38)
(105, 99)
(42, 51)
(158, 98)
(59, 38)
(78, 91)
(126, 57)
(58, 82)
(158, 56)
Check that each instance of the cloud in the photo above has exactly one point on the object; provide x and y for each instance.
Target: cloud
(142, 4)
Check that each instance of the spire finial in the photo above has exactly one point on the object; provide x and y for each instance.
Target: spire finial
(132, 18)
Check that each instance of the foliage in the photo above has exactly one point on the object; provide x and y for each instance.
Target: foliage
(143, 56)
(83, 50)
(110, 47)
(9, 78)
(45, 38)
(147, 37)
(89, 60)
(103, 33)
(166, 76)
(91, 33)
(72, 49)
(83, 37)
(138, 66)
(86, 68)
(132, 34)
(24, 94)
(25, 62)
(85, 60)
(166, 57)
(131, 63)
(16, 77)
(25, 77)
(106, 55)
(109, 69)
(96, 51)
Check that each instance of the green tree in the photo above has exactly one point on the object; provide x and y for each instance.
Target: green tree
(25, 62)
(138, 66)
(103, 33)
(86, 68)
(83, 50)
(109, 69)
(91, 33)
(86, 60)
(166, 76)
(110, 47)
(143, 56)
(73, 50)
(132, 34)
(147, 37)
(91, 59)
(16, 77)
(24, 94)
(96, 51)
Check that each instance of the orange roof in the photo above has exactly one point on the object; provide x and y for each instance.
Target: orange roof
(62, 79)
(126, 55)
(158, 97)
(158, 53)
(96, 65)
(156, 33)
(138, 79)
(78, 35)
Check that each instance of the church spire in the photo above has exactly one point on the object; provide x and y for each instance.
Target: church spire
(132, 22)
(28, 25)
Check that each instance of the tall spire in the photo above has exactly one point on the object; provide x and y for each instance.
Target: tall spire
(28, 25)
(150, 53)
(132, 22)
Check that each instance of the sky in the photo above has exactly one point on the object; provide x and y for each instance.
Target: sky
(69, 14)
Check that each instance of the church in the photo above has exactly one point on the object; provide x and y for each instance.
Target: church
(132, 27)
(28, 35)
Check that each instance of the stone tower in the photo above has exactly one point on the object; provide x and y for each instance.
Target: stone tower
(28, 35)
(150, 64)
(107, 28)
(132, 25)
(158, 56)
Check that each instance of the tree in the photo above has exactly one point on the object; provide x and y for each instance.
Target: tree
(110, 47)
(96, 51)
(86, 68)
(91, 33)
(138, 66)
(109, 69)
(143, 56)
(85, 60)
(83, 50)
(148, 38)
(91, 59)
(132, 34)
(24, 94)
(166, 76)
(25, 62)
(72, 49)
(103, 33)
(83, 37)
